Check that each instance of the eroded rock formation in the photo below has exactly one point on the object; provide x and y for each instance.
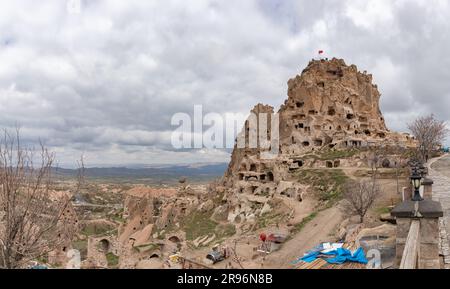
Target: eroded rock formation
(330, 121)
(331, 108)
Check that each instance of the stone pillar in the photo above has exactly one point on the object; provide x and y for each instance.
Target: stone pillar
(403, 225)
(408, 192)
(427, 189)
(429, 244)
(428, 212)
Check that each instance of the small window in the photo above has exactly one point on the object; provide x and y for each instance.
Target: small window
(332, 72)
(174, 239)
(318, 142)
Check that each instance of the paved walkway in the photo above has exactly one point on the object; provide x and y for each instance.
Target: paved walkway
(439, 172)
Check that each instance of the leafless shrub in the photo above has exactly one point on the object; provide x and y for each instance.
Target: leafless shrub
(430, 134)
(34, 220)
(375, 158)
(80, 174)
(359, 197)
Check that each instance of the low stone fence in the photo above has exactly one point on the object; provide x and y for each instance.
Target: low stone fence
(417, 243)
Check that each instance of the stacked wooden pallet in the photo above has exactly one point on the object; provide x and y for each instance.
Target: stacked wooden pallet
(322, 264)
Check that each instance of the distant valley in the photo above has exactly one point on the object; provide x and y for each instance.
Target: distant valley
(164, 174)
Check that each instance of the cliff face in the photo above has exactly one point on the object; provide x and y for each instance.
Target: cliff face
(239, 154)
(331, 119)
(330, 106)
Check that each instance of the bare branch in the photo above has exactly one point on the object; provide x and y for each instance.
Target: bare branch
(359, 197)
(34, 219)
(430, 133)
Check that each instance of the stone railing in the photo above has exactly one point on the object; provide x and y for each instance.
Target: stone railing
(417, 243)
(410, 257)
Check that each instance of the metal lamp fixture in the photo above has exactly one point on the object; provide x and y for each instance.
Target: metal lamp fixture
(416, 183)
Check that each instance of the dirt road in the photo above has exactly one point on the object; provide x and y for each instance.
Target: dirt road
(320, 229)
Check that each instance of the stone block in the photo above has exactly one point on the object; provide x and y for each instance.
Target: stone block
(429, 251)
(399, 254)
(429, 231)
(429, 264)
(428, 192)
(403, 225)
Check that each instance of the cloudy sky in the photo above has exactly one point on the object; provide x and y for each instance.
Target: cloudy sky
(107, 78)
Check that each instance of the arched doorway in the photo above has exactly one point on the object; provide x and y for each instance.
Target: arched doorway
(175, 239)
(105, 245)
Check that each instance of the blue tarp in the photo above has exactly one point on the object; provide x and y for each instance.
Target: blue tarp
(39, 267)
(344, 255)
(338, 256)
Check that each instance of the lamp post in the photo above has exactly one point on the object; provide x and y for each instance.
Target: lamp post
(416, 178)
(423, 171)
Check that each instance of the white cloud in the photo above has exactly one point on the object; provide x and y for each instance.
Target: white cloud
(371, 14)
(108, 80)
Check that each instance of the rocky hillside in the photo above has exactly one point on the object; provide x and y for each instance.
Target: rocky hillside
(331, 121)
(330, 127)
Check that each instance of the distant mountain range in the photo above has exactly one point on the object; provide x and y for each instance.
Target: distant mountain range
(152, 174)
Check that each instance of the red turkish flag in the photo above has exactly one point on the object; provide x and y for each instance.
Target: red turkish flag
(263, 237)
(320, 51)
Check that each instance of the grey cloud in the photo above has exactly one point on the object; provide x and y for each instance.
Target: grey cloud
(109, 79)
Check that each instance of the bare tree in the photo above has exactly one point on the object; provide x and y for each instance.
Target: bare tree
(34, 219)
(430, 134)
(80, 174)
(236, 257)
(359, 197)
(375, 158)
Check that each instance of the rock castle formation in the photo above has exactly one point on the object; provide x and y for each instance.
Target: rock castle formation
(330, 107)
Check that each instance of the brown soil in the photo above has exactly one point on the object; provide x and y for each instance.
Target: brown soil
(320, 229)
